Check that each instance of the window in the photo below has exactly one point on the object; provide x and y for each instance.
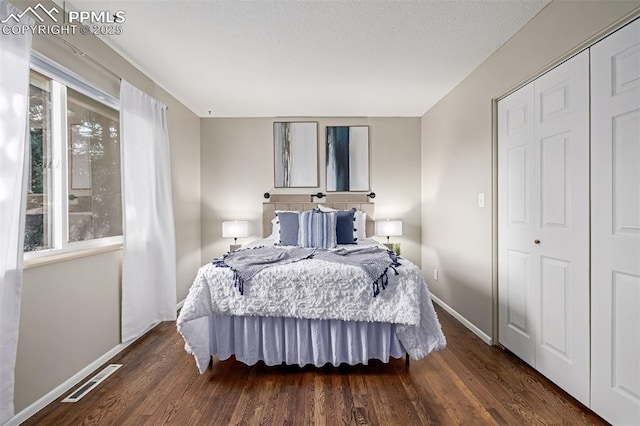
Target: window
(74, 184)
(95, 206)
(38, 227)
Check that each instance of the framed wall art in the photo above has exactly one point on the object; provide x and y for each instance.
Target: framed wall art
(296, 154)
(347, 158)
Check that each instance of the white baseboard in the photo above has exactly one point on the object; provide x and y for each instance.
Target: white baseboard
(481, 334)
(74, 380)
(66, 386)
(180, 304)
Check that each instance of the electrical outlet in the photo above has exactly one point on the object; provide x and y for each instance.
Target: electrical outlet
(435, 274)
(481, 199)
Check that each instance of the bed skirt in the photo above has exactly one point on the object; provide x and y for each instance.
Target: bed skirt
(301, 342)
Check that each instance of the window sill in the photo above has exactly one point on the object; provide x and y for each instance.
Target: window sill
(72, 255)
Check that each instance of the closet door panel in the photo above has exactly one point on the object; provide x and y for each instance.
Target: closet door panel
(560, 220)
(615, 227)
(517, 307)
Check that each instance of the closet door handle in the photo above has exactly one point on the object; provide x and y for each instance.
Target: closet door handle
(536, 241)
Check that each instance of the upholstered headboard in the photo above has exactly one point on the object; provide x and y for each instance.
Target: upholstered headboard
(303, 202)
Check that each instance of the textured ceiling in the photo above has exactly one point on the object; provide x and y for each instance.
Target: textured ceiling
(311, 58)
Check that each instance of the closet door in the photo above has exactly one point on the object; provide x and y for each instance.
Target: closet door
(560, 217)
(615, 228)
(543, 224)
(517, 309)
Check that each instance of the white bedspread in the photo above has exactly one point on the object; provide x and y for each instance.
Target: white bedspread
(313, 289)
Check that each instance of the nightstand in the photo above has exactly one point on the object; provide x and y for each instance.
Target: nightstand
(234, 247)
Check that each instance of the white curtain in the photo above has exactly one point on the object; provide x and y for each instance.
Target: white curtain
(15, 54)
(149, 259)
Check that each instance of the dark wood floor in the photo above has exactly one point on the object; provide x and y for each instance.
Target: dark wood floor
(467, 383)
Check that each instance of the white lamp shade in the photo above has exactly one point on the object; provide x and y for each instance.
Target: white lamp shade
(389, 228)
(235, 229)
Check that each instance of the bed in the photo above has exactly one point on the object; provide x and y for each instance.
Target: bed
(312, 304)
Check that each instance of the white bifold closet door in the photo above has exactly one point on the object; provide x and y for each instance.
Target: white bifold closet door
(543, 231)
(615, 228)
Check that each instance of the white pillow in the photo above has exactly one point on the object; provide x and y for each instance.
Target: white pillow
(325, 209)
(275, 228)
(360, 225)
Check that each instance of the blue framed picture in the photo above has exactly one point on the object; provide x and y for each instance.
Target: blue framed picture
(347, 158)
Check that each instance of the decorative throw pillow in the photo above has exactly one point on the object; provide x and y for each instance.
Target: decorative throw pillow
(345, 226)
(360, 228)
(289, 224)
(317, 229)
(361, 225)
(275, 228)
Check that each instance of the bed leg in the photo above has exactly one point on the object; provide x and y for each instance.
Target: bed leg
(406, 359)
(211, 362)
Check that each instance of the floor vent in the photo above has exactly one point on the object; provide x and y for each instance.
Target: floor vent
(92, 383)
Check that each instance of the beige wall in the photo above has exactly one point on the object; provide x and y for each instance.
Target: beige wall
(71, 310)
(69, 317)
(457, 153)
(237, 168)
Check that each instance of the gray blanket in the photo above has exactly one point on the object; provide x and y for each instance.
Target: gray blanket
(246, 263)
(374, 261)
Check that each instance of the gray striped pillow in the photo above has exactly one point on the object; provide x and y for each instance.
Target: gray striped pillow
(317, 229)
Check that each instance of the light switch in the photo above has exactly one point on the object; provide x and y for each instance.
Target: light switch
(481, 199)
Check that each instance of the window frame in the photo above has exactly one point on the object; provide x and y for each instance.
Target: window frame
(61, 78)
